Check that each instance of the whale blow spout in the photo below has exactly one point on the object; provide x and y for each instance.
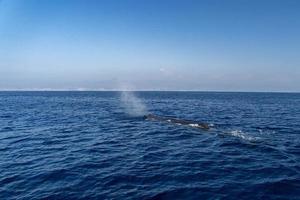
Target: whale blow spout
(172, 120)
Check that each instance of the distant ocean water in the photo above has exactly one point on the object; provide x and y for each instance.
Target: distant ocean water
(96, 145)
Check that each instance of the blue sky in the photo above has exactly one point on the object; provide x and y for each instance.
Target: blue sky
(242, 45)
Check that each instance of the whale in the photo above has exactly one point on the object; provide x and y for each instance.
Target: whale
(191, 123)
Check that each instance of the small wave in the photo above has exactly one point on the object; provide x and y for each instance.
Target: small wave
(242, 135)
(6, 129)
(266, 132)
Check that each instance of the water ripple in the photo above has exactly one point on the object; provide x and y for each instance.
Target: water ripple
(68, 145)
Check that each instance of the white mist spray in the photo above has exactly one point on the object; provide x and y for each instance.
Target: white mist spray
(132, 104)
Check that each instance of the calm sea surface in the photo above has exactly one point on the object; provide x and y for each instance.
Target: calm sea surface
(96, 145)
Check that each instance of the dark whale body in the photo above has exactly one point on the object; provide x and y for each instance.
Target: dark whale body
(191, 123)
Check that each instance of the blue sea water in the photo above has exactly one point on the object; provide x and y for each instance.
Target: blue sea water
(97, 145)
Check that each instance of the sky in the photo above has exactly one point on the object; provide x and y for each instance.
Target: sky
(212, 45)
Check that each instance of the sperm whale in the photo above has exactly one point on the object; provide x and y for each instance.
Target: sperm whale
(195, 124)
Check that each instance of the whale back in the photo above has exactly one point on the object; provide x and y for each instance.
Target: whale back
(172, 120)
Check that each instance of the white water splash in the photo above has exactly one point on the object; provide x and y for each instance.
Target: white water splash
(132, 104)
(240, 134)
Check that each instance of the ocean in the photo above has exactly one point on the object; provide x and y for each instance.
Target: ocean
(98, 145)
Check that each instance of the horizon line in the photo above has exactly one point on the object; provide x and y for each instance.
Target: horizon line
(139, 90)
